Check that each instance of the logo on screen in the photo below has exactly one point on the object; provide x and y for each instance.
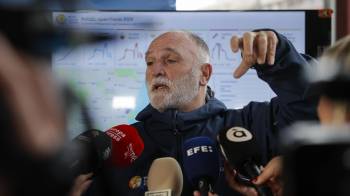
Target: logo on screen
(60, 19)
(238, 134)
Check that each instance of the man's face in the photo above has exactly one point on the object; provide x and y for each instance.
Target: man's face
(172, 74)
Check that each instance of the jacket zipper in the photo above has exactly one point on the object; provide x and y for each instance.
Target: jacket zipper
(178, 139)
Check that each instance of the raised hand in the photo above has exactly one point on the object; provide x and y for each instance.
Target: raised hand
(256, 48)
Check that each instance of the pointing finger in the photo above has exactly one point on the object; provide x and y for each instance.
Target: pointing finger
(241, 69)
(235, 44)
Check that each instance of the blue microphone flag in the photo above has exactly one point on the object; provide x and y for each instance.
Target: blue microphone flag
(201, 159)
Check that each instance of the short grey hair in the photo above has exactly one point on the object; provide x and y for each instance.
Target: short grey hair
(204, 56)
(203, 53)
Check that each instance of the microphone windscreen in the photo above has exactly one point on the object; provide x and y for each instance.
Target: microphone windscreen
(165, 173)
(127, 145)
(95, 148)
(237, 145)
(201, 160)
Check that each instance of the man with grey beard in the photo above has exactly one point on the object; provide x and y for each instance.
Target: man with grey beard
(173, 74)
(182, 105)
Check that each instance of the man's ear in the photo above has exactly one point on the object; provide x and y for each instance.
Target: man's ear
(206, 70)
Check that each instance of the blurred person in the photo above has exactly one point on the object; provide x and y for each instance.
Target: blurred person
(32, 126)
(32, 105)
(330, 80)
(32, 120)
(183, 106)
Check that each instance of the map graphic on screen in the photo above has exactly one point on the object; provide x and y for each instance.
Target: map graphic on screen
(110, 75)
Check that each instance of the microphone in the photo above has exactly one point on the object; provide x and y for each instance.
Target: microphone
(201, 163)
(164, 178)
(119, 147)
(124, 147)
(240, 149)
(127, 145)
(94, 148)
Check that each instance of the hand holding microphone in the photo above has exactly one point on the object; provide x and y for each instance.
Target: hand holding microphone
(81, 184)
(271, 175)
(119, 146)
(239, 147)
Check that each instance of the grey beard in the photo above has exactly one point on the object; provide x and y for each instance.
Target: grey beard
(183, 91)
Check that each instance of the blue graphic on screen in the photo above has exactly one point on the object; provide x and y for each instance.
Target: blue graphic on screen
(110, 76)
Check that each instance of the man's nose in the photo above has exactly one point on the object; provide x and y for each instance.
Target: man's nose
(158, 69)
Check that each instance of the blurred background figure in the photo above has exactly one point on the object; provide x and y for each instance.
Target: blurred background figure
(34, 108)
(332, 79)
(32, 122)
(319, 151)
(317, 161)
(33, 105)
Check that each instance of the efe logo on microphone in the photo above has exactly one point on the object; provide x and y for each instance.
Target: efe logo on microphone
(238, 134)
(197, 149)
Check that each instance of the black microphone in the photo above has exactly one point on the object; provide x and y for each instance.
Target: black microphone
(239, 148)
(119, 146)
(86, 153)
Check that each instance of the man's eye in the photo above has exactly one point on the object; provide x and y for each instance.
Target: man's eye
(171, 61)
(149, 63)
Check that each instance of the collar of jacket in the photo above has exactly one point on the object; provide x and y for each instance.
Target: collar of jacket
(182, 121)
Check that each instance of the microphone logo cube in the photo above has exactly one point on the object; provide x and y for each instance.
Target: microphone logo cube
(165, 192)
(238, 134)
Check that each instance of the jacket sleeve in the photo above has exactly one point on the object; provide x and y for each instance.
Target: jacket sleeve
(286, 78)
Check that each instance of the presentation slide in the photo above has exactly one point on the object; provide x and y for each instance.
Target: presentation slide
(110, 75)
